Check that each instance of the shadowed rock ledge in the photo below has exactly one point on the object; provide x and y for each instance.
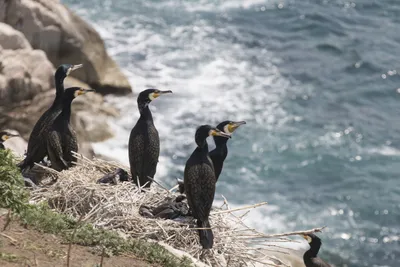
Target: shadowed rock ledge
(35, 37)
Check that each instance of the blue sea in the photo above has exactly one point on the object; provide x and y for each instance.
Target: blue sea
(318, 84)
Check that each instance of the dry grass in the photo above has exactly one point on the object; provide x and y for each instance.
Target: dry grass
(116, 207)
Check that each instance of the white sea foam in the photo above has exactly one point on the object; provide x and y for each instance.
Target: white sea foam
(384, 151)
(212, 80)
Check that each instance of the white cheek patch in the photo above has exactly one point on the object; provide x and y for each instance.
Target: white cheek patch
(226, 129)
(151, 97)
(69, 71)
(76, 94)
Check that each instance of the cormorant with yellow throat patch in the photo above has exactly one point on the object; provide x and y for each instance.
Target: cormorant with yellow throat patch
(144, 142)
(199, 182)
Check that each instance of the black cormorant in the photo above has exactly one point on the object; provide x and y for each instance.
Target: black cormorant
(310, 257)
(144, 142)
(60, 137)
(37, 144)
(5, 136)
(218, 155)
(199, 182)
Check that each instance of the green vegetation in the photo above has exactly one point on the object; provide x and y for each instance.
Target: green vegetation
(43, 219)
(8, 257)
(12, 193)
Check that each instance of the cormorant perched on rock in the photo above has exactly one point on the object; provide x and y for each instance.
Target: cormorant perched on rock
(144, 142)
(218, 155)
(310, 257)
(60, 137)
(5, 136)
(37, 144)
(199, 181)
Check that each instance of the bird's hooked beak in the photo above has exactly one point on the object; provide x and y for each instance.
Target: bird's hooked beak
(157, 94)
(74, 67)
(83, 91)
(216, 132)
(234, 125)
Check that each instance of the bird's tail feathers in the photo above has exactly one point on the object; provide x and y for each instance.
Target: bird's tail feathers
(206, 235)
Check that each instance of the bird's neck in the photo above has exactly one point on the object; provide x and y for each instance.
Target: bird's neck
(220, 141)
(202, 147)
(221, 145)
(145, 113)
(312, 252)
(59, 91)
(66, 111)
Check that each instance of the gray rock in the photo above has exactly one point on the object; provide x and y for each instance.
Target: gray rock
(50, 26)
(12, 39)
(24, 73)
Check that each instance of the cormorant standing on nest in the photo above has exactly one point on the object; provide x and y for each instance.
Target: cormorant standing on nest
(199, 181)
(144, 142)
(61, 138)
(310, 257)
(218, 155)
(37, 144)
(5, 136)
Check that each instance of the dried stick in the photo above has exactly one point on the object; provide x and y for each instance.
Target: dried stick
(102, 256)
(241, 208)
(160, 185)
(9, 237)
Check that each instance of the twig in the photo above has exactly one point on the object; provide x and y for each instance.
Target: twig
(241, 208)
(163, 187)
(102, 256)
(48, 169)
(173, 188)
(9, 237)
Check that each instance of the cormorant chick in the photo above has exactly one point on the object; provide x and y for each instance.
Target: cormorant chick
(310, 257)
(61, 138)
(37, 143)
(144, 142)
(111, 178)
(5, 136)
(199, 181)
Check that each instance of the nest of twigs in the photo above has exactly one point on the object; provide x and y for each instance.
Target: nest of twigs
(116, 207)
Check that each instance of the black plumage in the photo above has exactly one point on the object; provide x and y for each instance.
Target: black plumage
(199, 182)
(37, 144)
(113, 177)
(310, 257)
(61, 138)
(218, 155)
(4, 136)
(144, 142)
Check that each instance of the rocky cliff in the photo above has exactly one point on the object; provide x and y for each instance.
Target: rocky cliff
(35, 37)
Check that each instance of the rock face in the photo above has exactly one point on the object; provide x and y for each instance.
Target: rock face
(12, 39)
(24, 73)
(27, 90)
(65, 38)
